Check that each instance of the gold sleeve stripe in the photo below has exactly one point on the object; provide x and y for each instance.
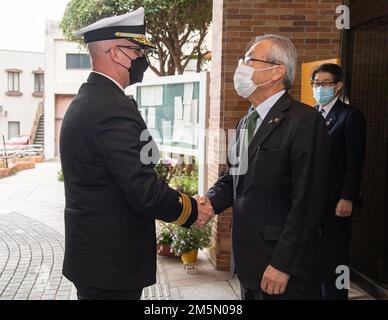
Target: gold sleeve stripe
(186, 210)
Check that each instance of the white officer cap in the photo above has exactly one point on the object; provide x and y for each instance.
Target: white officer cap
(130, 26)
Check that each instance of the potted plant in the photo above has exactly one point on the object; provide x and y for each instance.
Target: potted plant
(164, 240)
(172, 239)
(165, 169)
(187, 241)
(185, 183)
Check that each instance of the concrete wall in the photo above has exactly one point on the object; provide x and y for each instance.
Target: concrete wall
(59, 80)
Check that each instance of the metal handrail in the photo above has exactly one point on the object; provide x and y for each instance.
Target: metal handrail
(21, 151)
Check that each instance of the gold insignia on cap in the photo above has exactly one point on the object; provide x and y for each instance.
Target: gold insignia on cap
(144, 41)
(129, 35)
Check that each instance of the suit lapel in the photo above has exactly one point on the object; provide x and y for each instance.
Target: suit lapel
(274, 117)
(272, 120)
(332, 116)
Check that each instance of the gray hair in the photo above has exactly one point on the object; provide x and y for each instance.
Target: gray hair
(283, 51)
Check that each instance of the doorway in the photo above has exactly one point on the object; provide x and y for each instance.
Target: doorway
(13, 129)
(365, 60)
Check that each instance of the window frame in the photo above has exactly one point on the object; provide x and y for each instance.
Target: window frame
(80, 64)
(13, 82)
(13, 76)
(39, 82)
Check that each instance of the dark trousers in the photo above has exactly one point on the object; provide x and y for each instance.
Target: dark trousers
(87, 293)
(331, 292)
(335, 249)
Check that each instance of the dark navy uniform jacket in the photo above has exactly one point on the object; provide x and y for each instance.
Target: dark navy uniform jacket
(112, 197)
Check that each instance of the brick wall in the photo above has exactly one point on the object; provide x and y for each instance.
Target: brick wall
(310, 24)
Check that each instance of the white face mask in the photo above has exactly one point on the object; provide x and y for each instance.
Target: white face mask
(243, 83)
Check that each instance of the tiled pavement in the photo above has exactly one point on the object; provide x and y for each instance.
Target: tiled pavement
(31, 248)
(31, 255)
(31, 239)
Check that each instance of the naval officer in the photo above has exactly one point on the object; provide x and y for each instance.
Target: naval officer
(113, 196)
(347, 130)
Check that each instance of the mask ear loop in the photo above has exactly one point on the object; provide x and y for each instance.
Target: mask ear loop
(126, 68)
(264, 83)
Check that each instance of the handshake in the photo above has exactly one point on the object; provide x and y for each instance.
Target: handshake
(205, 211)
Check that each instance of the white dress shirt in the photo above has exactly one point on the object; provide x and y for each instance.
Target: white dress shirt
(326, 108)
(264, 107)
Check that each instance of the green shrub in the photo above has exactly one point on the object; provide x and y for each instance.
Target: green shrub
(60, 176)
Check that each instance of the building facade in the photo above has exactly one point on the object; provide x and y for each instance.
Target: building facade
(67, 67)
(21, 91)
(361, 48)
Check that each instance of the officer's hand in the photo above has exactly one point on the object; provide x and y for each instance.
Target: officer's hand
(274, 281)
(205, 211)
(344, 208)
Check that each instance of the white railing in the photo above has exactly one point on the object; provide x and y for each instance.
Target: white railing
(22, 151)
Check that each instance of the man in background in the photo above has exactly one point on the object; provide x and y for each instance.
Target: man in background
(347, 130)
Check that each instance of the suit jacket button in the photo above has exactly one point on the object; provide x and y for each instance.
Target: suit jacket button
(238, 196)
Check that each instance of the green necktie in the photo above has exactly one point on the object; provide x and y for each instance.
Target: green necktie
(251, 126)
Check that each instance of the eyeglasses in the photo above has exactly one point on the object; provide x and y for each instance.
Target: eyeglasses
(325, 84)
(140, 50)
(248, 60)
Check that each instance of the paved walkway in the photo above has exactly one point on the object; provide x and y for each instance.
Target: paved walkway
(31, 248)
(31, 236)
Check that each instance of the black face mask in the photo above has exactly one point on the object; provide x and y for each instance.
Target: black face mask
(137, 69)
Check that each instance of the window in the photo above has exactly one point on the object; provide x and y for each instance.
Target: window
(77, 61)
(38, 82)
(13, 129)
(13, 81)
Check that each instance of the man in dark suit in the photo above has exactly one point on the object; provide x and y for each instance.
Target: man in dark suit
(277, 198)
(347, 131)
(113, 195)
